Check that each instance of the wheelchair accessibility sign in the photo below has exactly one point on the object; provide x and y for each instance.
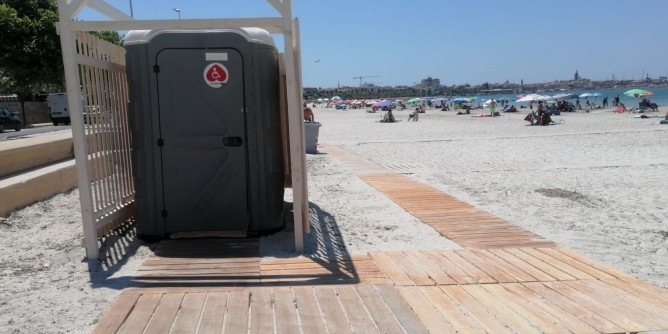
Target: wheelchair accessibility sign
(215, 75)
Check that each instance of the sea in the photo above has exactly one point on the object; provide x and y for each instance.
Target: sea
(660, 96)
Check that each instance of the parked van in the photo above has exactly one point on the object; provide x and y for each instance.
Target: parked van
(58, 108)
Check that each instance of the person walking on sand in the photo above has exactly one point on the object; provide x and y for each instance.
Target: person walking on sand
(492, 107)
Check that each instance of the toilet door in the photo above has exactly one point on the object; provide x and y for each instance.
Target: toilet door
(203, 139)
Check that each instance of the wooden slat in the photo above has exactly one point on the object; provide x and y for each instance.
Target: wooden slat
(543, 305)
(502, 312)
(308, 310)
(541, 265)
(607, 269)
(646, 305)
(236, 320)
(542, 321)
(592, 271)
(213, 315)
(501, 264)
(141, 313)
(417, 275)
(335, 318)
(448, 308)
(491, 270)
(475, 272)
(287, 321)
(187, 319)
(592, 319)
(565, 267)
(261, 311)
(614, 300)
(483, 318)
(460, 276)
(402, 311)
(428, 315)
(117, 314)
(360, 320)
(526, 267)
(640, 288)
(604, 310)
(432, 270)
(164, 314)
(391, 269)
(379, 311)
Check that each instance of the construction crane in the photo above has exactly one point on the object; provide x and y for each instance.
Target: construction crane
(366, 76)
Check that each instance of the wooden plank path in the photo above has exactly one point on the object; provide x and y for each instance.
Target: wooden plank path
(535, 290)
(458, 221)
(506, 280)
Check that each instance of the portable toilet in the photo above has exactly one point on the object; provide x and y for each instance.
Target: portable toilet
(205, 125)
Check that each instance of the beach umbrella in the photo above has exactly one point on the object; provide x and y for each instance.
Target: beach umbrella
(586, 95)
(383, 103)
(533, 97)
(638, 92)
(564, 96)
(414, 100)
(461, 99)
(596, 94)
(336, 98)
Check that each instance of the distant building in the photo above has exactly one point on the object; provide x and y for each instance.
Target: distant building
(576, 76)
(430, 83)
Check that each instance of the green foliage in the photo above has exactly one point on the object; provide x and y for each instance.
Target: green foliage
(109, 36)
(30, 57)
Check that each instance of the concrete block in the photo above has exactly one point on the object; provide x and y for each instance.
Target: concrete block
(28, 188)
(30, 153)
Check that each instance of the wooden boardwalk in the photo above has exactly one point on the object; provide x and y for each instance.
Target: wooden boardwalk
(456, 220)
(525, 290)
(505, 280)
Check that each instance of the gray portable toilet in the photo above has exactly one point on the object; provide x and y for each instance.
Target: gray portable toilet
(205, 122)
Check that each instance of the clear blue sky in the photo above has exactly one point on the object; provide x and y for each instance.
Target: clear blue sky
(466, 41)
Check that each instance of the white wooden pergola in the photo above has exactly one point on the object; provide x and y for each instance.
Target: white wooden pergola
(102, 150)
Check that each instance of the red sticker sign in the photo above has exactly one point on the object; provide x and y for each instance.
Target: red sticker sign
(215, 75)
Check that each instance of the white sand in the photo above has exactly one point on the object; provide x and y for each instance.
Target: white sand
(595, 184)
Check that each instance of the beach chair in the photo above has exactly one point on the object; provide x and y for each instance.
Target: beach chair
(644, 106)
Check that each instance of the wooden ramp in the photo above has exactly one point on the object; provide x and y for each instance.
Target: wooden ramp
(507, 280)
(456, 220)
(523, 290)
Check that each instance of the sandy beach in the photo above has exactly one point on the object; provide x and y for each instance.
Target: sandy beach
(594, 183)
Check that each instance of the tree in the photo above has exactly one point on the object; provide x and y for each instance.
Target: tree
(109, 36)
(30, 57)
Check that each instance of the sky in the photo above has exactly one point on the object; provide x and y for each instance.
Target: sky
(397, 42)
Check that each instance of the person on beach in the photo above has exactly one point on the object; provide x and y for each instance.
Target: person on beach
(388, 117)
(492, 107)
(308, 114)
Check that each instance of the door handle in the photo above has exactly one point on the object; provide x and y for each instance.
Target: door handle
(232, 141)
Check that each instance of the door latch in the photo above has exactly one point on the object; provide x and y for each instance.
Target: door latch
(232, 141)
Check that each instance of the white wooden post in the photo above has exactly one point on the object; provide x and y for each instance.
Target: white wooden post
(300, 88)
(67, 42)
(296, 124)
